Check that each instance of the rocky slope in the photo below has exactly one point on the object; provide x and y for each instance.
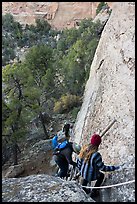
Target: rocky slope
(59, 14)
(42, 188)
(110, 93)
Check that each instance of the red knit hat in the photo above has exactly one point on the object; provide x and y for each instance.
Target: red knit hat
(95, 139)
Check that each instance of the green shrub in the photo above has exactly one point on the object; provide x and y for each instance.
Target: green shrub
(100, 6)
(74, 112)
(66, 103)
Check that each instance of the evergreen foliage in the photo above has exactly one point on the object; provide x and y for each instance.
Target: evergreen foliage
(14, 121)
(101, 5)
(66, 103)
(55, 69)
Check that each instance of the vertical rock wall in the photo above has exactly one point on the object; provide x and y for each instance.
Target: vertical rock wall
(110, 90)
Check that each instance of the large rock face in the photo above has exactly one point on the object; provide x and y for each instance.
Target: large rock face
(110, 93)
(59, 14)
(42, 188)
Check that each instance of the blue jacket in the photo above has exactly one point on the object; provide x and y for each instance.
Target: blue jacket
(90, 170)
(54, 141)
(56, 145)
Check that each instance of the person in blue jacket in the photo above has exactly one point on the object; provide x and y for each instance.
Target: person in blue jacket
(90, 164)
(62, 154)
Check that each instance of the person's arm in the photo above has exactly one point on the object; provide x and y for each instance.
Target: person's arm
(100, 164)
(79, 163)
(54, 141)
(68, 156)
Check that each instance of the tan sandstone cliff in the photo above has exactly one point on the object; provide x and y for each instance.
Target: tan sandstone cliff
(110, 93)
(59, 14)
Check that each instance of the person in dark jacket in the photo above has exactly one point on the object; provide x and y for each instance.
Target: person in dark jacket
(68, 131)
(63, 157)
(90, 164)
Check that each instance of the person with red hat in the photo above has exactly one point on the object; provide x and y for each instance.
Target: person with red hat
(90, 164)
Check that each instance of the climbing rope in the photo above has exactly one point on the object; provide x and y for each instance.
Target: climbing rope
(119, 184)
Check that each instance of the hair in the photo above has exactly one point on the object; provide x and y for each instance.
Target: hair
(86, 151)
(66, 130)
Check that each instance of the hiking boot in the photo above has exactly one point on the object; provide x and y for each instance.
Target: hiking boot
(94, 193)
(87, 190)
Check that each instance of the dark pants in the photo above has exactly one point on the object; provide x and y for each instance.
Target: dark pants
(97, 184)
(63, 165)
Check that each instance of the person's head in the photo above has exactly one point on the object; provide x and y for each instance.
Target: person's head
(66, 130)
(66, 127)
(89, 149)
(95, 140)
(76, 147)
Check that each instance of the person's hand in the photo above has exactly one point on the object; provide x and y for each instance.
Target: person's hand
(119, 168)
(74, 165)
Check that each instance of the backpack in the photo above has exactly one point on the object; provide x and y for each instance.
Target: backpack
(57, 147)
(62, 145)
